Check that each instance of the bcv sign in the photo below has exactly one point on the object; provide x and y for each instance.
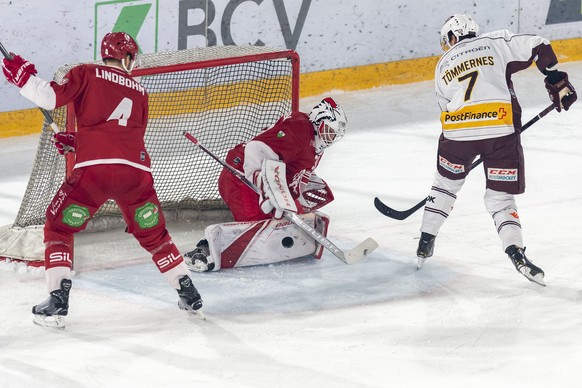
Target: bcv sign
(239, 22)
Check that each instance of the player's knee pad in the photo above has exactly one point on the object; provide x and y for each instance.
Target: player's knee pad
(145, 215)
(496, 201)
(449, 185)
(69, 216)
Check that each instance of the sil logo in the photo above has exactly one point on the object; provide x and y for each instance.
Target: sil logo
(147, 216)
(75, 215)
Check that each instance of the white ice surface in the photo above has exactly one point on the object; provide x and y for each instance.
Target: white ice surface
(467, 319)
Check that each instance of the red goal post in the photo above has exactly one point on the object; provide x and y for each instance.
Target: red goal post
(223, 95)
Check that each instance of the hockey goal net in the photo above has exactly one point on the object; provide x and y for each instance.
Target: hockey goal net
(223, 95)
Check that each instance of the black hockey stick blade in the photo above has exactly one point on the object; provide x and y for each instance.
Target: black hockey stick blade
(397, 214)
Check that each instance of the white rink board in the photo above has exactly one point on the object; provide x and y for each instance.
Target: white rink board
(327, 35)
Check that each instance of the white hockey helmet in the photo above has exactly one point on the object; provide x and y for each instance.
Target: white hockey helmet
(329, 121)
(459, 26)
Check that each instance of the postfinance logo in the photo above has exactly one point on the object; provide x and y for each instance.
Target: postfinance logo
(480, 115)
(138, 18)
(564, 11)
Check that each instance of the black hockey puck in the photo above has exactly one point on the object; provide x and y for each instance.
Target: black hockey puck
(287, 242)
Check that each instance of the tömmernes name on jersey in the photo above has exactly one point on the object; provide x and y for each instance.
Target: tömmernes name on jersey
(466, 66)
(119, 79)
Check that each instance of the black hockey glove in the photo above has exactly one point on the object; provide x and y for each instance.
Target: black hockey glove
(561, 91)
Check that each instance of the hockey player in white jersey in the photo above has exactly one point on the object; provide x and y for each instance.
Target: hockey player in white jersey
(481, 116)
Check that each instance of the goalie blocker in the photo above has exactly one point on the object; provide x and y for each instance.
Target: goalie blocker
(242, 244)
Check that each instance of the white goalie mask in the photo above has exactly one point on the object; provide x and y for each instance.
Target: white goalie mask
(459, 26)
(329, 121)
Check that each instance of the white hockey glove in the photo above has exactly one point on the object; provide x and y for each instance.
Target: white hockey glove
(264, 202)
(274, 195)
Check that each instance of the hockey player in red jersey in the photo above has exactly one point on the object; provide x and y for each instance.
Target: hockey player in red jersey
(258, 235)
(481, 116)
(112, 162)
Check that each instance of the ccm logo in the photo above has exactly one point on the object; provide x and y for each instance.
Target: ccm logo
(452, 167)
(168, 260)
(502, 174)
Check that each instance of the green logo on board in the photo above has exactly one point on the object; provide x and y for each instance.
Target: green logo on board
(138, 18)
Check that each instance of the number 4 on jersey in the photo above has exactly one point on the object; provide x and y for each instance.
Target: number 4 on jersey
(122, 112)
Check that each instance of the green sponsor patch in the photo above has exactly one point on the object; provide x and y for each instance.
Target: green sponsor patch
(75, 215)
(147, 216)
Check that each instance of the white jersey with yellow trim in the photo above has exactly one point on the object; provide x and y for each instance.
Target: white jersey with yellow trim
(473, 82)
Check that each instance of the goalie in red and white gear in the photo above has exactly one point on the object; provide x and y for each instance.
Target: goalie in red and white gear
(111, 162)
(291, 149)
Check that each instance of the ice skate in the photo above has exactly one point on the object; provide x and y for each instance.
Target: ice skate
(425, 248)
(190, 299)
(524, 266)
(197, 260)
(52, 312)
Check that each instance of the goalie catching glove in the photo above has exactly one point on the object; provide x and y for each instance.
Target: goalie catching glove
(64, 142)
(561, 91)
(274, 195)
(17, 70)
(311, 191)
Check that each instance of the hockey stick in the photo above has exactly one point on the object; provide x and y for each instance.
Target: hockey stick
(349, 257)
(403, 214)
(46, 114)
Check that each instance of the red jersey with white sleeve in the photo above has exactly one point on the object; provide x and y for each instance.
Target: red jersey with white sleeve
(291, 140)
(111, 110)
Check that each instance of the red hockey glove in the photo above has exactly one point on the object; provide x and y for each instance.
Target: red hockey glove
(561, 91)
(17, 70)
(311, 191)
(65, 142)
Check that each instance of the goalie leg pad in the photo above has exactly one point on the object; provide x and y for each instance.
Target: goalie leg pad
(242, 244)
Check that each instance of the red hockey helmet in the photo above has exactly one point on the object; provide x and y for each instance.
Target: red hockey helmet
(117, 45)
